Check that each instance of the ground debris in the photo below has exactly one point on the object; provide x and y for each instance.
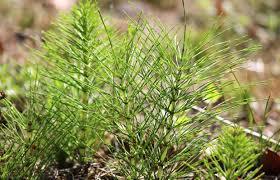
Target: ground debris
(89, 170)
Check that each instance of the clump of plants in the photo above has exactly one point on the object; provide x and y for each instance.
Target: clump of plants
(140, 87)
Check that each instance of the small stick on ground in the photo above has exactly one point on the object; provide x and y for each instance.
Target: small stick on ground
(246, 130)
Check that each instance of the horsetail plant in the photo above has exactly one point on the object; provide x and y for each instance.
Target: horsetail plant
(233, 156)
(139, 86)
(157, 82)
(60, 122)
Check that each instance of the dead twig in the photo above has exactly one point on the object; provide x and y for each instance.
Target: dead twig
(246, 130)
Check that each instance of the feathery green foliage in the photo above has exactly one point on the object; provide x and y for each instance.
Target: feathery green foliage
(139, 86)
(60, 120)
(72, 74)
(233, 156)
(157, 81)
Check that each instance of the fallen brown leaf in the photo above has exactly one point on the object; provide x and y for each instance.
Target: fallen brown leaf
(270, 162)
